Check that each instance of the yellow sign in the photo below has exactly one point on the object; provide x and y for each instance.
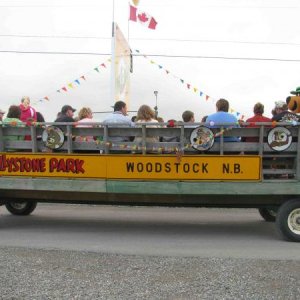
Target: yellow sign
(151, 167)
(188, 168)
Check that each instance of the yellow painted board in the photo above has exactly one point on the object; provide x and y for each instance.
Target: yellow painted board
(186, 168)
(53, 165)
(147, 167)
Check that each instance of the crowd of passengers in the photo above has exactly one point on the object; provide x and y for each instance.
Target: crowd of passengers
(24, 113)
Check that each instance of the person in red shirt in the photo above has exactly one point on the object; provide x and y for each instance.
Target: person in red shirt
(258, 117)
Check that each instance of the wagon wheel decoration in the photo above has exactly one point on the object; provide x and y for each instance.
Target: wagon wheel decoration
(202, 138)
(53, 137)
(279, 138)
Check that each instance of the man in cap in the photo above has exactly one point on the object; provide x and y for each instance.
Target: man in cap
(282, 114)
(66, 115)
(2, 112)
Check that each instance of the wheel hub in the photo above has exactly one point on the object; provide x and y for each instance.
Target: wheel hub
(294, 221)
(18, 205)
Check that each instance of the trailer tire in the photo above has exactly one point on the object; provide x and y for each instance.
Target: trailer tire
(21, 208)
(268, 214)
(288, 220)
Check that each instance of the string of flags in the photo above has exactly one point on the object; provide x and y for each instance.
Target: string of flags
(76, 82)
(195, 89)
(188, 85)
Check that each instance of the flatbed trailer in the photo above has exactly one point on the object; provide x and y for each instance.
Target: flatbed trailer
(197, 167)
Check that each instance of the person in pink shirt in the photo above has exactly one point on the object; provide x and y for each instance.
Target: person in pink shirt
(85, 115)
(28, 113)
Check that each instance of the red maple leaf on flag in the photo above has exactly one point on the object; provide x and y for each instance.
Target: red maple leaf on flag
(143, 17)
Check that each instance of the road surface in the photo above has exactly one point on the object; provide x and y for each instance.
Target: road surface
(152, 231)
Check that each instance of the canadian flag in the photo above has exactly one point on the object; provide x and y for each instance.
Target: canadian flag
(142, 17)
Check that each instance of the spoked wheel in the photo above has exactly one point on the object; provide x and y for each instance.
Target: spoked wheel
(268, 214)
(21, 208)
(288, 220)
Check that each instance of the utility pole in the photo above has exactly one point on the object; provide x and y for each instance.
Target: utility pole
(155, 107)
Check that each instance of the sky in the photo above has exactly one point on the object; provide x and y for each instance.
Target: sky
(244, 51)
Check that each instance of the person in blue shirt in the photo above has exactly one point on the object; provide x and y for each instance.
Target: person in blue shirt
(222, 116)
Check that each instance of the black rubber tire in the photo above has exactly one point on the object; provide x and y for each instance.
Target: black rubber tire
(21, 208)
(287, 217)
(268, 214)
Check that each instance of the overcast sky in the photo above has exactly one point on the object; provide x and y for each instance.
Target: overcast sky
(244, 51)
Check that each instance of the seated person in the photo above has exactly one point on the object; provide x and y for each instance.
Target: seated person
(146, 115)
(258, 117)
(222, 116)
(119, 116)
(282, 114)
(13, 119)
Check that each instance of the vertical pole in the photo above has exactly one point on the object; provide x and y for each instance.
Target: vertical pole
(113, 62)
(155, 107)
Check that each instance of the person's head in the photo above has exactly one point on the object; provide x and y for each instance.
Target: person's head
(203, 120)
(68, 110)
(188, 116)
(85, 112)
(258, 108)
(39, 117)
(14, 111)
(160, 119)
(145, 113)
(25, 101)
(2, 113)
(222, 105)
(171, 123)
(121, 107)
(280, 106)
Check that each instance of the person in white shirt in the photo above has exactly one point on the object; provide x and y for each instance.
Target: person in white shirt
(119, 116)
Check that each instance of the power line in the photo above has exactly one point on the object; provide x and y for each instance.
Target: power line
(54, 36)
(153, 55)
(149, 39)
(53, 52)
(221, 57)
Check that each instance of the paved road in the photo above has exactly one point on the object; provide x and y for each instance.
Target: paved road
(153, 231)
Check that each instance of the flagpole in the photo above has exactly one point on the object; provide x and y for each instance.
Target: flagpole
(128, 25)
(112, 72)
(113, 11)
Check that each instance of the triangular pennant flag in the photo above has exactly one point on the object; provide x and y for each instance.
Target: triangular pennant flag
(188, 85)
(77, 81)
(206, 97)
(138, 51)
(58, 91)
(167, 71)
(160, 66)
(152, 62)
(46, 98)
(103, 65)
(82, 77)
(182, 81)
(71, 85)
(64, 88)
(201, 94)
(195, 90)
(96, 69)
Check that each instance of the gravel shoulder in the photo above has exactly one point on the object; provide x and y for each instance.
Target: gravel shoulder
(59, 274)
